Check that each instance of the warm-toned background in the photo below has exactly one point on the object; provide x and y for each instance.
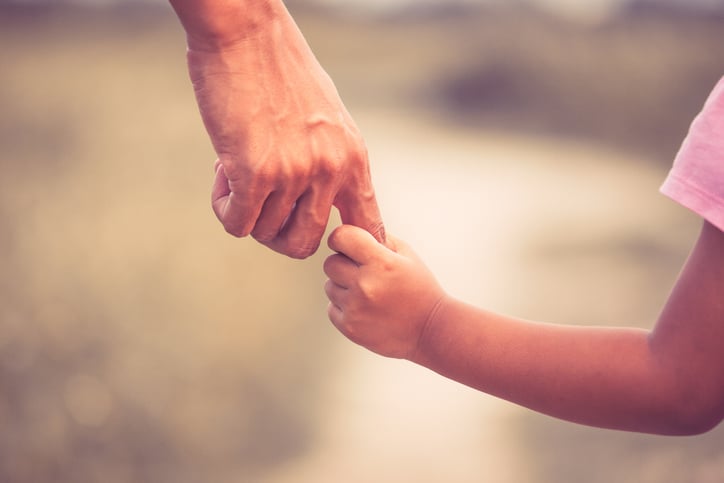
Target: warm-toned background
(520, 152)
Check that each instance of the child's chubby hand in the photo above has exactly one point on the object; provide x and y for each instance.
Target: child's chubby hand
(381, 297)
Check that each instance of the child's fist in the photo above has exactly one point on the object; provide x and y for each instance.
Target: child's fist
(381, 297)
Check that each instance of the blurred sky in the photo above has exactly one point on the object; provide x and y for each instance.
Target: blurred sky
(557, 5)
(576, 10)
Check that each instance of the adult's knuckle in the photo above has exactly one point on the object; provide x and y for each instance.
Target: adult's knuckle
(233, 169)
(264, 232)
(236, 230)
(317, 221)
(252, 176)
(332, 165)
(261, 175)
(299, 253)
(328, 167)
(263, 235)
(360, 151)
(302, 250)
(357, 153)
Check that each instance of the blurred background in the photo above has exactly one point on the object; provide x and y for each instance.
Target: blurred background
(517, 145)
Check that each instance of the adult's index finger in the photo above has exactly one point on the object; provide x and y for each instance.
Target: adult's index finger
(364, 212)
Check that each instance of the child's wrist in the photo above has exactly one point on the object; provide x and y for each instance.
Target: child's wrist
(428, 337)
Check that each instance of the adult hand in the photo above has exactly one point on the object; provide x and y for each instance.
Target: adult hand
(287, 148)
(381, 297)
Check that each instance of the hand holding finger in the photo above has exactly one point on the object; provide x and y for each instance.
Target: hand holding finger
(380, 298)
(340, 269)
(356, 243)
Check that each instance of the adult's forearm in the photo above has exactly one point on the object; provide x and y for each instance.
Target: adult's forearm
(601, 377)
(217, 24)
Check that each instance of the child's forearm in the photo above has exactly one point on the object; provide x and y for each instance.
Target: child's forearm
(606, 377)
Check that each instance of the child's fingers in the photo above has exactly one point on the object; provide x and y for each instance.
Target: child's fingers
(397, 245)
(340, 269)
(355, 243)
(336, 293)
(402, 248)
(335, 315)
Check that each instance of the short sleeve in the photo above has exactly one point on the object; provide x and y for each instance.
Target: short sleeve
(696, 179)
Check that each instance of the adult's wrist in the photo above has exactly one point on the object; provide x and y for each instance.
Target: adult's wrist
(215, 25)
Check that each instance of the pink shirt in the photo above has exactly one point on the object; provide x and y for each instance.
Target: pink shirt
(696, 179)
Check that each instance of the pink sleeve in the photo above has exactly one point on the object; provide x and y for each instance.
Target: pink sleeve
(696, 179)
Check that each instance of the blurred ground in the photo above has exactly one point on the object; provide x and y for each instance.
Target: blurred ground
(519, 154)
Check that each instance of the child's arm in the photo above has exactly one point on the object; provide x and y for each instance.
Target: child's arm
(669, 380)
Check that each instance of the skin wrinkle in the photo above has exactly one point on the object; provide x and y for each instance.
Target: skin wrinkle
(430, 321)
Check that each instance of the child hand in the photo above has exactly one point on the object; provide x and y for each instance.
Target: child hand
(382, 298)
